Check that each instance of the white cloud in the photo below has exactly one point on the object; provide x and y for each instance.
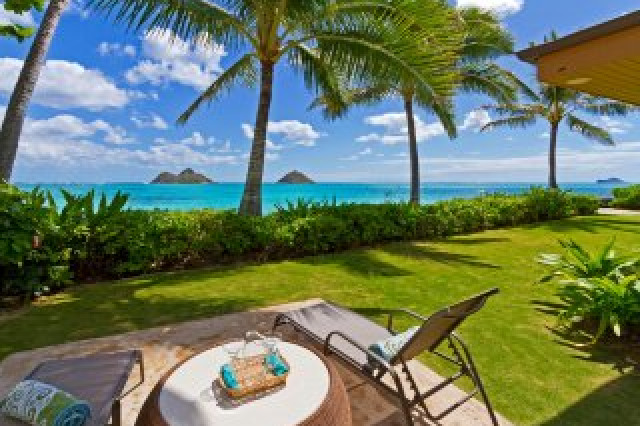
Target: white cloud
(476, 120)
(64, 84)
(7, 17)
(196, 139)
(247, 130)
(295, 131)
(106, 48)
(613, 125)
(71, 128)
(170, 59)
(66, 140)
(501, 7)
(292, 130)
(396, 130)
(365, 152)
(153, 121)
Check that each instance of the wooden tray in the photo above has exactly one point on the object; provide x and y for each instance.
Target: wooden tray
(253, 376)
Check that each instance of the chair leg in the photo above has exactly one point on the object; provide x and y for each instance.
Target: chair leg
(280, 320)
(116, 413)
(415, 388)
(403, 399)
(141, 363)
(475, 377)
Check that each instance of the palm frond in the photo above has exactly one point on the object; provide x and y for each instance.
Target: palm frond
(242, 69)
(196, 20)
(489, 80)
(516, 121)
(599, 106)
(333, 107)
(317, 73)
(588, 130)
(485, 37)
(516, 109)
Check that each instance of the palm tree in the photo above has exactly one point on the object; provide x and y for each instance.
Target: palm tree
(312, 36)
(483, 39)
(19, 100)
(555, 105)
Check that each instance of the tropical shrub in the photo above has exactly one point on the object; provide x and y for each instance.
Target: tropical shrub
(627, 198)
(99, 239)
(26, 267)
(601, 287)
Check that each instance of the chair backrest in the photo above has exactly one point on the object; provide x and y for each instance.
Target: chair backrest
(440, 325)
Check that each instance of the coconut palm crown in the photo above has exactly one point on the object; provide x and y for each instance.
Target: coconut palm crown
(556, 105)
(483, 39)
(362, 37)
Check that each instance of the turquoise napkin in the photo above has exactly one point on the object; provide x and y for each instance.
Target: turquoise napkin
(228, 376)
(276, 365)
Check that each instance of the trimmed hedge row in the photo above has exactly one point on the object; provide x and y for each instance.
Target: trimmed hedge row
(81, 244)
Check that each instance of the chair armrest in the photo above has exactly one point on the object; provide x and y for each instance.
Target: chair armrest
(402, 311)
(376, 357)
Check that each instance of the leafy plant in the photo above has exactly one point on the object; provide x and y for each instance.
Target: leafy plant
(627, 198)
(600, 286)
(30, 260)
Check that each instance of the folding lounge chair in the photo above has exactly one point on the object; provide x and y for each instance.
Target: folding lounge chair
(349, 335)
(98, 379)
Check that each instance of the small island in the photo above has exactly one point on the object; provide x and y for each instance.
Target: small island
(185, 176)
(610, 180)
(295, 177)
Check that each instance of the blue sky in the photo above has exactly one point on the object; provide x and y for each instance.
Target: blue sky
(106, 104)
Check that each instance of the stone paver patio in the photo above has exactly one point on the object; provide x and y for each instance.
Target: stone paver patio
(163, 347)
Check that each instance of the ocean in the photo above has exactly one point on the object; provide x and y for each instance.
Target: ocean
(227, 195)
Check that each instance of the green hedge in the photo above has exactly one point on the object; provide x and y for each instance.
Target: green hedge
(627, 198)
(84, 242)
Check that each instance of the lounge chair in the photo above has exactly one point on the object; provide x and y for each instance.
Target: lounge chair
(349, 335)
(98, 379)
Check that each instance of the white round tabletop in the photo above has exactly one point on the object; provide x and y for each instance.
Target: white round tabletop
(188, 397)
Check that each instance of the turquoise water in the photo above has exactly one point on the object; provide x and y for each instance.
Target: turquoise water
(227, 195)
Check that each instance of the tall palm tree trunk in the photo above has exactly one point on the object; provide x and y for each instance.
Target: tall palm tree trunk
(553, 140)
(19, 101)
(251, 203)
(413, 151)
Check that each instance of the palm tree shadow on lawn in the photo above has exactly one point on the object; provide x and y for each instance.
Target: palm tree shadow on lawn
(430, 252)
(604, 405)
(589, 224)
(364, 261)
(601, 405)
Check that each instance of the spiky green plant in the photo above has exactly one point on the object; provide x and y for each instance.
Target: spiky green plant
(600, 286)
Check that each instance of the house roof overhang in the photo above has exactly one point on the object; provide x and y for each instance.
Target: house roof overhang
(603, 60)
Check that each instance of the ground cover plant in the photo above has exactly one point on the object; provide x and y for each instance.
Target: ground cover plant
(88, 240)
(533, 374)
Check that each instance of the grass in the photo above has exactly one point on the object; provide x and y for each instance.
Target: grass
(533, 375)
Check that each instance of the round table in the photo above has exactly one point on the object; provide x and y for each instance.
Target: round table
(187, 395)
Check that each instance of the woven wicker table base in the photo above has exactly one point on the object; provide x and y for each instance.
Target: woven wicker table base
(333, 410)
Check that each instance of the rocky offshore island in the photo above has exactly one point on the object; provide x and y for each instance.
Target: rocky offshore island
(185, 176)
(295, 177)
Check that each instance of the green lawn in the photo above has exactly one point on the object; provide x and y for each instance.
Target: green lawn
(532, 374)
